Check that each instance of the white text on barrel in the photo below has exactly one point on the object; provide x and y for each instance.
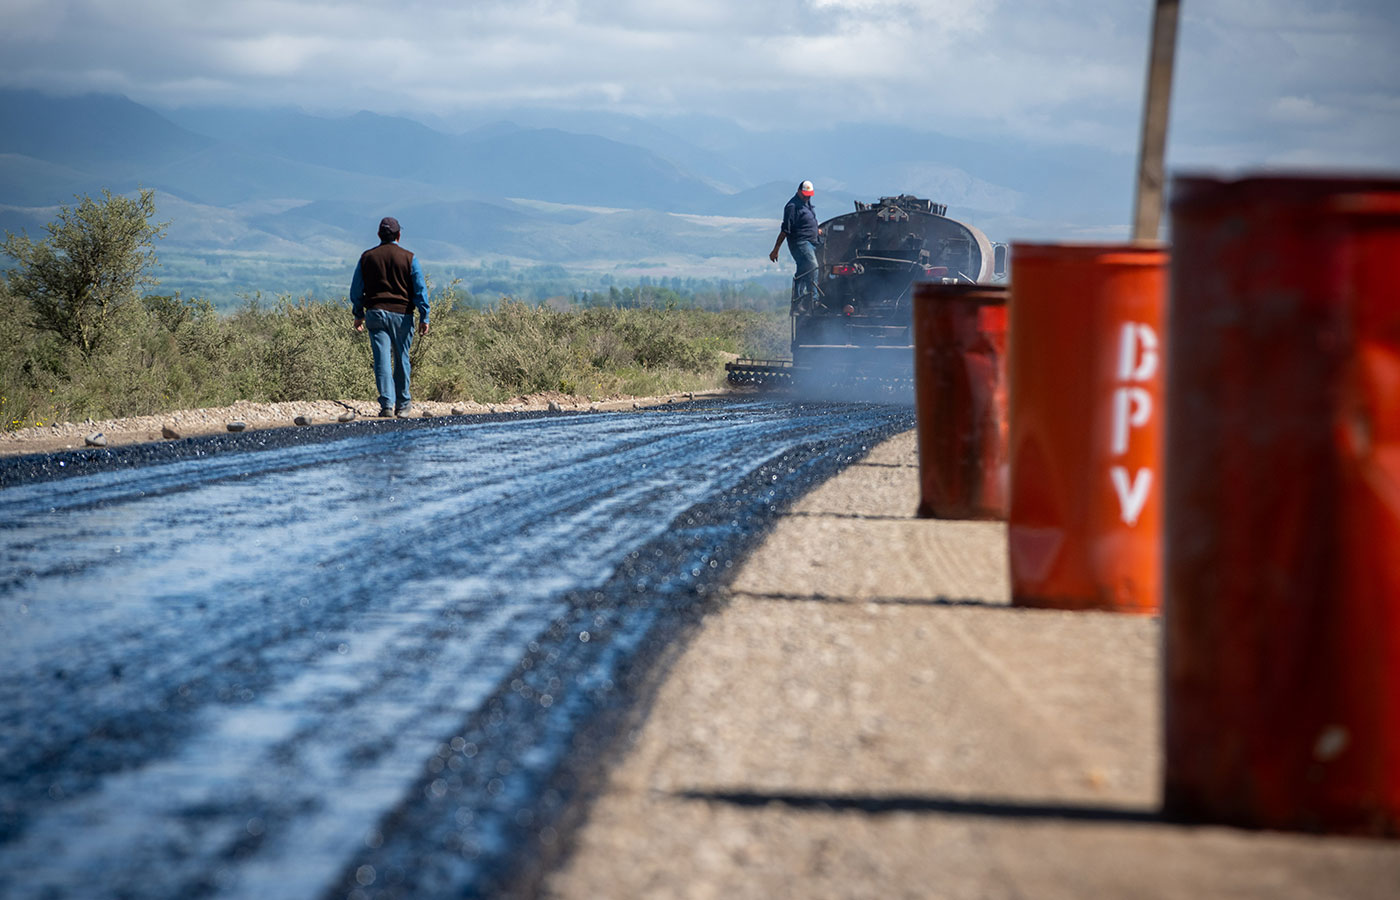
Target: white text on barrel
(1132, 408)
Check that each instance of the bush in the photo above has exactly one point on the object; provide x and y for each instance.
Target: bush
(167, 353)
(82, 279)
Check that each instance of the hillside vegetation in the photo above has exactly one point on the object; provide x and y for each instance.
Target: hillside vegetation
(84, 343)
(168, 354)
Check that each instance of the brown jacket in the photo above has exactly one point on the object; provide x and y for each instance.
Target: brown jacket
(387, 274)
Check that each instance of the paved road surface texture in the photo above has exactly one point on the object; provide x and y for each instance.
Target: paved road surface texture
(366, 659)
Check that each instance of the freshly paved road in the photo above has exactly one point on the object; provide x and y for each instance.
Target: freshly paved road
(370, 661)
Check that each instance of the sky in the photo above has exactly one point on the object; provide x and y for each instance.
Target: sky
(1307, 84)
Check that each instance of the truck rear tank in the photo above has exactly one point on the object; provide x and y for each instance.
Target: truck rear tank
(855, 336)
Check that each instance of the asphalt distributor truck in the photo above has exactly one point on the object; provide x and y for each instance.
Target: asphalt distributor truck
(855, 335)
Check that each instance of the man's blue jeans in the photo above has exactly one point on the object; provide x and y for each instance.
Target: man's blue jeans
(804, 253)
(390, 336)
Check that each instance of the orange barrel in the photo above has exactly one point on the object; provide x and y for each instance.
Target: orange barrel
(960, 399)
(1086, 425)
(1282, 508)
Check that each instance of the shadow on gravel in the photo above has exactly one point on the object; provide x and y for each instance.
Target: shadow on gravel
(924, 803)
(841, 600)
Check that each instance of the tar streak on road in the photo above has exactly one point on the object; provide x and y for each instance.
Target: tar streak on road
(376, 661)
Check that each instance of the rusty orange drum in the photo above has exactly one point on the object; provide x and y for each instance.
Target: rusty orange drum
(1282, 509)
(960, 400)
(1086, 327)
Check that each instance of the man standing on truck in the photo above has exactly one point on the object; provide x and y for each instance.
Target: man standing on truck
(802, 234)
(388, 285)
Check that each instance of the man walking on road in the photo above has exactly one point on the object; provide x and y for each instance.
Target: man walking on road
(802, 234)
(387, 287)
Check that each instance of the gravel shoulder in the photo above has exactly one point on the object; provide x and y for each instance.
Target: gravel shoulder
(260, 416)
(868, 717)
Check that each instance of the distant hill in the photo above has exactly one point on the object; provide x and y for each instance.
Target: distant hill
(30, 182)
(250, 194)
(96, 132)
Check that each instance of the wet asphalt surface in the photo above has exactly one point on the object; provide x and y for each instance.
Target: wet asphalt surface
(385, 659)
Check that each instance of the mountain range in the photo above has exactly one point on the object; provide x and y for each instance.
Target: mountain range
(282, 201)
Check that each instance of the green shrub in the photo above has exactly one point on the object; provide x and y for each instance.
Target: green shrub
(84, 277)
(167, 353)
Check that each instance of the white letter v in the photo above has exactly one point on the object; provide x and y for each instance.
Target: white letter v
(1131, 497)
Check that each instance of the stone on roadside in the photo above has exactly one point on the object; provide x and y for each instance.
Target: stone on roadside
(169, 433)
(347, 416)
(555, 407)
(236, 426)
(96, 439)
(302, 420)
(458, 411)
(426, 414)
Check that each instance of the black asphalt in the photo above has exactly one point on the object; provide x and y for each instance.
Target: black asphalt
(378, 659)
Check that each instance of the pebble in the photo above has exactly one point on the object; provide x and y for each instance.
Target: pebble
(96, 439)
(237, 426)
(347, 416)
(302, 420)
(458, 411)
(555, 407)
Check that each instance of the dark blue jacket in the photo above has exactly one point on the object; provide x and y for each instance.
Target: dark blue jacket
(800, 219)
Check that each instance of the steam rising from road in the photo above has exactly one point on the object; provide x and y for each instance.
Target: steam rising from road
(855, 375)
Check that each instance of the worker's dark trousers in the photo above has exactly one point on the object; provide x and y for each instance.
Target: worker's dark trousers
(804, 253)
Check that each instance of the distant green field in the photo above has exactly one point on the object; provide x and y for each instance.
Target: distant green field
(228, 278)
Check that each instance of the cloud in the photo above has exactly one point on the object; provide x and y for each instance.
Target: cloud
(1303, 111)
(1287, 82)
(1258, 77)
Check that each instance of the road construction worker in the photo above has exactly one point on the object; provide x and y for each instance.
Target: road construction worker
(802, 234)
(387, 287)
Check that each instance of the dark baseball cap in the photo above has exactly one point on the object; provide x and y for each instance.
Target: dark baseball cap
(388, 225)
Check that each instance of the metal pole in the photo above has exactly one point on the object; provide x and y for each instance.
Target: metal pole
(1147, 208)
